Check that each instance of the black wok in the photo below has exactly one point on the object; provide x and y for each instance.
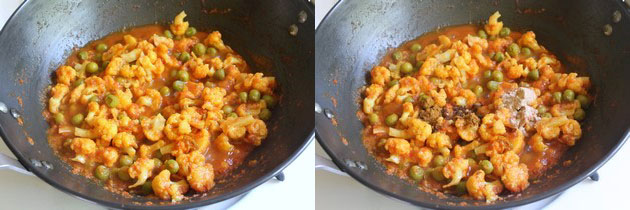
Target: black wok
(41, 34)
(356, 34)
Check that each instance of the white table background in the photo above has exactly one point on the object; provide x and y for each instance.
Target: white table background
(339, 192)
(19, 191)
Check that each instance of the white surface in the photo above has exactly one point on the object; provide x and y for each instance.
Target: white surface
(27, 192)
(340, 192)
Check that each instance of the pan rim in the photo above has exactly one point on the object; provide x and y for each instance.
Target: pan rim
(222, 197)
(563, 187)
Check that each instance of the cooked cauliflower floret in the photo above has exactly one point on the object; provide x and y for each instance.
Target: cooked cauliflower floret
(438, 140)
(213, 98)
(108, 156)
(455, 169)
(425, 155)
(396, 146)
(187, 162)
(479, 189)
(165, 189)
(152, 127)
(106, 129)
(529, 40)
(148, 151)
(372, 93)
(176, 126)
(235, 128)
(419, 129)
(179, 26)
(66, 75)
(491, 128)
(515, 177)
(201, 177)
(214, 39)
(124, 139)
(256, 132)
(223, 143)
(380, 75)
(494, 26)
(57, 94)
(502, 161)
(141, 170)
(83, 146)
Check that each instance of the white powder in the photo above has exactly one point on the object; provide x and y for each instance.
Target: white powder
(518, 102)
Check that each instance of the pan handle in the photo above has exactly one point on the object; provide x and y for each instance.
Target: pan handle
(7, 162)
(322, 163)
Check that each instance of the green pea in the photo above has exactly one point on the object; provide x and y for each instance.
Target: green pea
(579, 114)
(264, 114)
(77, 119)
(147, 187)
(492, 37)
(227, 109)
(185, 56)
(59, 118)
(482, 34)
(83, 55)
(514, 49)
(397, 55)
(177, 55)
(94, 99)
(437, 174)
(416, 173)
(168, 34)
(178, 37)
(557, 97)
(269, 100)
(219, 74)
(173, 73)
(584, 101)
(505, 31)
(123, 174)
(487, 74)
(98, 57)
(208, 84)
(546, 115)
(199, 49)
(111, 100)
(125, 160)
(156, 160)
(439, 160)
(254, 95)
(373, 118)
(183, 75)
(525, 51)
(392, 83)
(178, 85)
(568, 95)
(92, 67)
(165, 91)
(408, 99)
(542, 109)
(498, 57)
(78, 82)
(232, 115)
(493, 85)
(497, 76)
(478, 90)
(486, 166)
(461, 187)
(101, 172)
(172, 166)
(190, 31)
(243, 97)
(212, 51)
(533, 75)
(406, 68)
(391, 119)
(416, 47)
(102, 47)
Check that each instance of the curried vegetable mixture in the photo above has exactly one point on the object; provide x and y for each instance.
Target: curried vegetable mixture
(158, 111)
(472, 112)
